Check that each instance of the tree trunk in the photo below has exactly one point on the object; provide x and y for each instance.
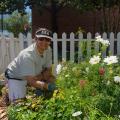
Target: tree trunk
(54, 16)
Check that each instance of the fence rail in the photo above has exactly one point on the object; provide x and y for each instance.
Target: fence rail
(63, 48)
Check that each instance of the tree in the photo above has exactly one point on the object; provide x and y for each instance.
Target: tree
(110, 12)
(15, 23)
(9, 6)
(53, 6)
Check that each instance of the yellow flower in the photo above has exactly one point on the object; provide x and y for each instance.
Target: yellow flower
(33, 106)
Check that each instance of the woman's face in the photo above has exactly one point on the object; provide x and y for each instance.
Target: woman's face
(42, 43)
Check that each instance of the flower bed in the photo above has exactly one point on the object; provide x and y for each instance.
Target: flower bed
(89, 90)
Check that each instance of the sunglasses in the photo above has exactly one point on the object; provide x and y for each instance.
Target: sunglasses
(44, 39)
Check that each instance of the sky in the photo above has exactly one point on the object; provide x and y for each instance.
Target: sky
(28, 10)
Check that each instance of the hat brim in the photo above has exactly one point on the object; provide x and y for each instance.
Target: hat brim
(43, 36)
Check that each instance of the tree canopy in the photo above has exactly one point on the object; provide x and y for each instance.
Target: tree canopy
(105, 6)
(15, 23)
(9, 6)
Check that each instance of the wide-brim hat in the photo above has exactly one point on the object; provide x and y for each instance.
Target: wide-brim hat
(43, 32)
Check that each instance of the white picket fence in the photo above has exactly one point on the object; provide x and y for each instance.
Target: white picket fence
(63, 48)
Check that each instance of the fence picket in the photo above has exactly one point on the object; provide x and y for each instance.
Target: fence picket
(80, 55)
(111, 43)
(105, 38)
(29, 39)
(89, 44)
(2, 53)
(21, 41)
(12, 49)
(96, 44)
(55, 51)
(64, 47)
(72, 48)
(118, 44)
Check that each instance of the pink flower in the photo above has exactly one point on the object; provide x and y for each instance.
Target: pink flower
(101, 71)
(83, 83)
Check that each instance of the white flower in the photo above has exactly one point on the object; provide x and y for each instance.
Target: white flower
(58, 68)
(95, 60)
(77, 113)
(102, 41)
(110, 60)
(99, 39)
(117, 79)
(105, 42)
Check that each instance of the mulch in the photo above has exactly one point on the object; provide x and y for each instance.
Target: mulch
(3, 110)
(3, 113)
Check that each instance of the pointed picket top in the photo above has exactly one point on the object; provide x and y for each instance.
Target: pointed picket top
(20, 35)
(104, 35)
(11, 35)
(80, 35)
(111, 38)
(72, 35)
(118, 35)
(11, 38)
(55, 36)
(64, 36)
(89, 36)
(111, 33)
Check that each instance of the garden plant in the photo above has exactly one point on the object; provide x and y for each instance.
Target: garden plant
(88, 90)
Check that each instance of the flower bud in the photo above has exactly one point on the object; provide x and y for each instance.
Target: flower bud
(101, 71)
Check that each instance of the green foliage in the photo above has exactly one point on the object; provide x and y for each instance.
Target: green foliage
(9, 6)
(86, 91)
(15, 23)
(96, 99)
